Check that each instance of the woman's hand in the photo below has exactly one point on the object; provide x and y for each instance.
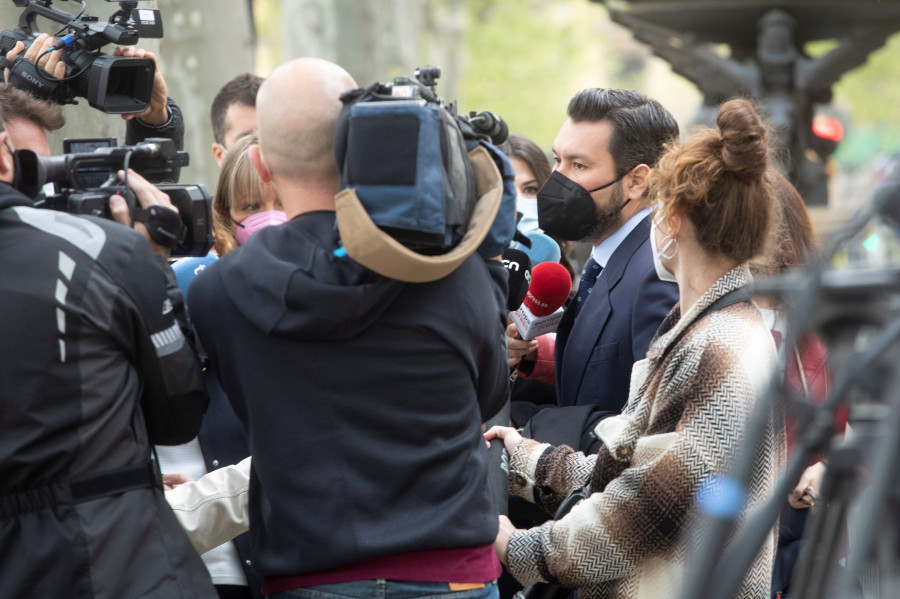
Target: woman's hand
(517, 348)
(170, 481)
(807, 490)
(511, 437)
(501, 543)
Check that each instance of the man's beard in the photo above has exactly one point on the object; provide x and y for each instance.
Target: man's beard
(608, 217)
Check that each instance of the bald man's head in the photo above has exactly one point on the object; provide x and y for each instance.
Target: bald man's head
(298, 107)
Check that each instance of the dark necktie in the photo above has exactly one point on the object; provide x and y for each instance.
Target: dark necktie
(589, 276)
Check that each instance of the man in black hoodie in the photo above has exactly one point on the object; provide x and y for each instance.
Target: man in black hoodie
(363, 396)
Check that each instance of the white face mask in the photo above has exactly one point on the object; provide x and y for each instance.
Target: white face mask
(661, 271)
(528, 208)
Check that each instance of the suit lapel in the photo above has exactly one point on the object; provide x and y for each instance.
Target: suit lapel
(583, 335)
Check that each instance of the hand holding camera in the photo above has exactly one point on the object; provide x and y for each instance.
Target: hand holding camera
(115, 84)
(157, 113)
(82, 183)
(50, 62)
(150, 199)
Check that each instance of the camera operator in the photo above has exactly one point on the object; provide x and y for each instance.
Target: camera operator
(341, 374)
(96, 368)
(162, 118)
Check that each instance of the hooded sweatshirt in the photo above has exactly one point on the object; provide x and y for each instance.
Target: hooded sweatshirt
(363, 397)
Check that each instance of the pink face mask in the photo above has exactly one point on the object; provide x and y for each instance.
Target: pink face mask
(255, 222)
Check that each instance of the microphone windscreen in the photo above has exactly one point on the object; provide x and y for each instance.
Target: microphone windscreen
(543, 248)
(519, 268)
(550, 286)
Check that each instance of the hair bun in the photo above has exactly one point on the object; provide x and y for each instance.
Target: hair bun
(744, 139)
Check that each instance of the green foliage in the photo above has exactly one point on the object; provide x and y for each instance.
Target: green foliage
(523, 59)
(267, 14)
(870, 96)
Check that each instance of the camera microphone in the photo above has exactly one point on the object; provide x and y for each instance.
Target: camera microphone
(491, 125)
(542, 309)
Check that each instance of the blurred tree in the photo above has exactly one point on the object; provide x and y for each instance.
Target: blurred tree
(520, 62)
(869, 96)
(374, 40)
(524, 59)
(205, 45)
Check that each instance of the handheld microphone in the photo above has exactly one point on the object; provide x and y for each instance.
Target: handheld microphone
(543, 248)
(541, 310)
(519, 267)
(491, 125)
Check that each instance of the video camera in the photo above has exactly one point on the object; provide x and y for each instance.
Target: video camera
(81, 183)
(115, 85)
(405, 153)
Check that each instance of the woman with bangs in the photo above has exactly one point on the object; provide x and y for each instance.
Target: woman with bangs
(243, 204)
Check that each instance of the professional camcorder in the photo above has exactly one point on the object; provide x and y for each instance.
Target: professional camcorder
(405, 153)
(81, 183)
(115, 85)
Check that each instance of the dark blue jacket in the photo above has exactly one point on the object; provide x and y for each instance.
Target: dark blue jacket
(595, 352)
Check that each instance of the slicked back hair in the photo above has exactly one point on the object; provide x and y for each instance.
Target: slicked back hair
(642, 127)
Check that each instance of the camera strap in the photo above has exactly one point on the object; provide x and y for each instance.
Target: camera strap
(164, 225)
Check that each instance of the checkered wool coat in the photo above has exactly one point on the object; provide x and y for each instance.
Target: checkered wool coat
(684, 421)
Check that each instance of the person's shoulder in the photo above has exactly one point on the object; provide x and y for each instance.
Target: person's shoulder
(738, 328)
(642, 280)
(94, 236)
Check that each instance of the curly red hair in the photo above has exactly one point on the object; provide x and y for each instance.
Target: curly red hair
(717, 179)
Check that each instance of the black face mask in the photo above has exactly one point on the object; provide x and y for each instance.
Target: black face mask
(566, 209)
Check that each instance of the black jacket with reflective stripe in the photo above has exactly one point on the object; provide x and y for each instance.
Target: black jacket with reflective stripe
(95, 367)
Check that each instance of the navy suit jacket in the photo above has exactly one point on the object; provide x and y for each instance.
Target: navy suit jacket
(595, 352)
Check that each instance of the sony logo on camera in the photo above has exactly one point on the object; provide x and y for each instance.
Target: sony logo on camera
(24, 74)
(147, 17)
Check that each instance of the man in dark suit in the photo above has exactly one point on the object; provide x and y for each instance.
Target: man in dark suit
(597, 193)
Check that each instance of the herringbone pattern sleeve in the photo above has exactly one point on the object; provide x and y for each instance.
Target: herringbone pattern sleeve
(683, 424)
(545, 475)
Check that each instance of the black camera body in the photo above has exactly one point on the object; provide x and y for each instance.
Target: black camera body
(115, 85)
(405, 154)
(68, 183)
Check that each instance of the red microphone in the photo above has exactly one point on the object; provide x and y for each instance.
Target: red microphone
(542, 309)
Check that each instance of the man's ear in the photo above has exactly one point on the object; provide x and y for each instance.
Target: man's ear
(259, 163)
(7, 165)
(219, 152)
(636, 182)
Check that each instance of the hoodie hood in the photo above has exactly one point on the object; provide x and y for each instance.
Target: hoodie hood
(283, 276)
(10, 196)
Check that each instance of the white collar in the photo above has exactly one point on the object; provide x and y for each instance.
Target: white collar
(604, 250)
